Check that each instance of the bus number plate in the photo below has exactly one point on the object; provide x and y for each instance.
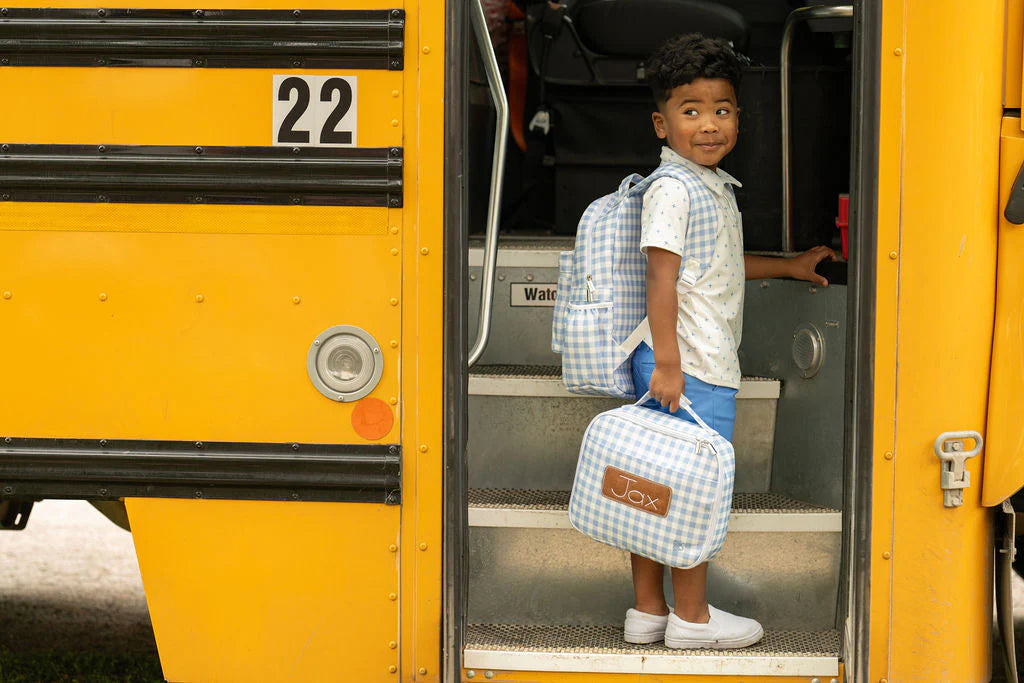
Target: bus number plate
(315, 111)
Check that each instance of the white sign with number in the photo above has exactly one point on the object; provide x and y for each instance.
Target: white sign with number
(315, 111)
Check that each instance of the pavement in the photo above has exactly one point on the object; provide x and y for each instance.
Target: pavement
(70, 583)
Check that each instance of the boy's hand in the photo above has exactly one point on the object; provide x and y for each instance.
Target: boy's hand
(802, 266)
(667, 385)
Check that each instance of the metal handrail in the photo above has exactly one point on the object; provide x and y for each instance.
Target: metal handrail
(497, 88)
(795, 17)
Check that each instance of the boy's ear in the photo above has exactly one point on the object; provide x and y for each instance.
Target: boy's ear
(659, 124)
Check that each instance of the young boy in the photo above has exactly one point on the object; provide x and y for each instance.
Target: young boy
(695, 331)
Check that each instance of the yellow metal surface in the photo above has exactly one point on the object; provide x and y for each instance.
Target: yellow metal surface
(423, 358)
(136, 106)
(1004, 436)
(269, 591)
(931, 590)
(1014, 53)
(554, 677)
(124, 347)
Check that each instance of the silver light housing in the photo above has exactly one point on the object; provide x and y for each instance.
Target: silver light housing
(344, 363)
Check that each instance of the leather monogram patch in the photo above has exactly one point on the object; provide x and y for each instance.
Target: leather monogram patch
(635, 491)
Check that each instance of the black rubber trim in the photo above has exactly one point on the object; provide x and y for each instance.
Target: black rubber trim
(456, 340)
(102, 469)
(855, 587)
(197, 175)
(279, 39)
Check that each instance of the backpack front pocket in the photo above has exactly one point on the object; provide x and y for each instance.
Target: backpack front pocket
(561, 301)
(590, 355)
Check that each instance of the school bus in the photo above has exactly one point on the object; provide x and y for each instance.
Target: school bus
(256, 306)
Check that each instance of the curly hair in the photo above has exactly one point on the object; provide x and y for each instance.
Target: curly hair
(686, 58)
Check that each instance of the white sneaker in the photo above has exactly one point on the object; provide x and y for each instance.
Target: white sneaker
(642, 628)
(722, 632)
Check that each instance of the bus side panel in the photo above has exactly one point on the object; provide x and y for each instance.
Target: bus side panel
(155, 335)
(270, 591)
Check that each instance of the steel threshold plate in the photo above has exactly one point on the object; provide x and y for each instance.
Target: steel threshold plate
(601, 649)
(546, 381)
(751, 512)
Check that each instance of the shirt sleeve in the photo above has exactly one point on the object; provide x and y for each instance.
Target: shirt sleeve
(665, 215)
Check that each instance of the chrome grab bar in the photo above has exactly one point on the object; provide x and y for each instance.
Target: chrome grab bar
(497, 87)
(795, 17)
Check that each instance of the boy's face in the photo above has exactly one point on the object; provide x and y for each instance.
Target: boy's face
(700, 121)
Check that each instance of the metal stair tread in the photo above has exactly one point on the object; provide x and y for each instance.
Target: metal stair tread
(751, 512)
(546, 380)
(584, 648)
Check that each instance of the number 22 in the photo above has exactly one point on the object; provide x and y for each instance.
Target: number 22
(328, 135)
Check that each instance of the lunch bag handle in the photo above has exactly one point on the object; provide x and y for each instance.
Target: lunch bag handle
(683, 403)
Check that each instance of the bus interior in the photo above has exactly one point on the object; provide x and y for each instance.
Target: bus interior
(580, 121)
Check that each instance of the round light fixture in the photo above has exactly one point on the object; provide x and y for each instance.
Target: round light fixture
(344, 363)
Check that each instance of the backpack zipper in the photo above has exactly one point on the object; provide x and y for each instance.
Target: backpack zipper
(591, 289)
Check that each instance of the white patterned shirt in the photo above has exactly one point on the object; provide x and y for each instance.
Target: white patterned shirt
(710, 321)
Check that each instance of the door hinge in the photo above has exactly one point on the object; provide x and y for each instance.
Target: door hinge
(954, 478)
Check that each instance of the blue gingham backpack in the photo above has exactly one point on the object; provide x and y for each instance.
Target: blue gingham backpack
(654, 485)
(600, 306)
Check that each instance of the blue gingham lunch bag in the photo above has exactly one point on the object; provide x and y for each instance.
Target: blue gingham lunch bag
(654, 485)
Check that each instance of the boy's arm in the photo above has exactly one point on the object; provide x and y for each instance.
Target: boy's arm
(799, 267)
(667, 381)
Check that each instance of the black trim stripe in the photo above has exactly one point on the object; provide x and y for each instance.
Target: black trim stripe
(311, 39)
(106, 470)
(196, 175)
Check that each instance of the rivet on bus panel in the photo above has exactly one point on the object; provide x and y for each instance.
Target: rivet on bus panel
(103, 296)
(423, 671)
(200, 298)
(888, 455)
(423, 546)
(394, 229)
(392, 668)
(392, 596)
(426, 49)
(394, 301)
(7, 295)
(395, 93)
(392, 645)
(393, 401)
(394, 123)
(296, 299)
(394, 251)
(394, 343)
(898, 51)
(886, 555)
(393, 548)
(424, 251)
(424, 448)
(892, 255)
(883, 680)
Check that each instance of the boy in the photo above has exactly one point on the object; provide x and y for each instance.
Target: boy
(695, 330)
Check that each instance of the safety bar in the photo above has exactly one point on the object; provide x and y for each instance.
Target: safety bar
(795, 17)
(497, 87)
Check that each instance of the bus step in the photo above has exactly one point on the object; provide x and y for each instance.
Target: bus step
(751, 512)
(546, 381)
(601, 649)
(525, 428)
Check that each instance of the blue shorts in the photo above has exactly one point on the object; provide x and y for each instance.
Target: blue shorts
(716, 405)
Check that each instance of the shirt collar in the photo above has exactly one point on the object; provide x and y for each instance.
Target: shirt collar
(715, 180)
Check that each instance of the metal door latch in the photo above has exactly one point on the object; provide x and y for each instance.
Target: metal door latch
(953, 478)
